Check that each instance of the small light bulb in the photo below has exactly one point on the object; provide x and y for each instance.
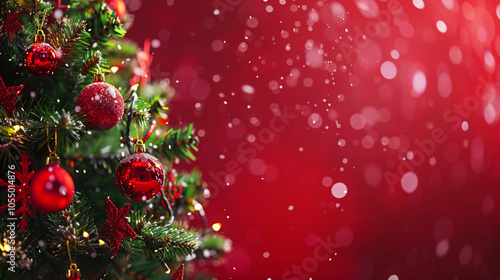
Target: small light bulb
(16, 128)
(216, 226)
(101, 242)
(7, 247)
(198, 206)
(85, 234)
(114, 69)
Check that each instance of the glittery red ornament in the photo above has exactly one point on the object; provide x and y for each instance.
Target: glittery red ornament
(8, 96)
(52, 189)
(140, 176)
(116, 226)
(74, 277)
(101, 105)
(11, 23)
(40, 58)
(73, 272)
(179, 274)
(22, 200)
(118, 6)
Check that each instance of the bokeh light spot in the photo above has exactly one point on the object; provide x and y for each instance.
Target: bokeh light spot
(409, 182)
(388, 70)
(339, 190)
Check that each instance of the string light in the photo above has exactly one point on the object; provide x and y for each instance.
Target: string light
(114, 69)
(134, 87)
(85, 234)
(216, 226)
(101, 242)
(6, 247)
(198, 206)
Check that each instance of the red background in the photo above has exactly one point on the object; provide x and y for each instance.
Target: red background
(447, 228)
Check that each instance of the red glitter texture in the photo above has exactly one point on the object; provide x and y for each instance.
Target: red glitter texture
(116, 227)
(101, 104)
(40, 58)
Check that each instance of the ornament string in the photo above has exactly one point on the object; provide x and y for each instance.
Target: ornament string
(137, 132)
(204, 219)
(39, 23)
(73, 268)
(69, 252)
(54, 150)
(168, 207)
(133, 98)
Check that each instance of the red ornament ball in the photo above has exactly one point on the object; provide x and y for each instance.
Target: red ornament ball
(164, 121)
(101, 104)
(118, 6)
(52, 189)
(140, 176)
(40, 58)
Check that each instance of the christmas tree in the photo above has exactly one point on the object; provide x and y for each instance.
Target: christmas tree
(89, 189)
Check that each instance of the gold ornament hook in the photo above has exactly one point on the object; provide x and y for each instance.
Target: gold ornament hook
(98, 76)
(140, 147)
(52, 158)
(73, 268)
(40, 36)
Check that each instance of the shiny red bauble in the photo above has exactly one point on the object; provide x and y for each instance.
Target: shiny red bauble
(163, 119)
(118, 6)
(40, 58)
(101, 106)
(73, 275)
(140, 176)
(51, 189)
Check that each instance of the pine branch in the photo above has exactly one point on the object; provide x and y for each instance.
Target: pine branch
(71, 39)
(169, 244)
(177, 143)
(103, 23)
(67, 125)
(141, 112)
(166, 243)
(70, 224)
(90, 62)
(191, 187)
(14, 139)
(37, 13)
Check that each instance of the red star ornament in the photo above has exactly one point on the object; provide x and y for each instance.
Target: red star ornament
(11, 23)
(179, 274)
(8, 96)
(116, 226)
(22, 199)
(144, 58)
(58, 11)
(61, 7)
